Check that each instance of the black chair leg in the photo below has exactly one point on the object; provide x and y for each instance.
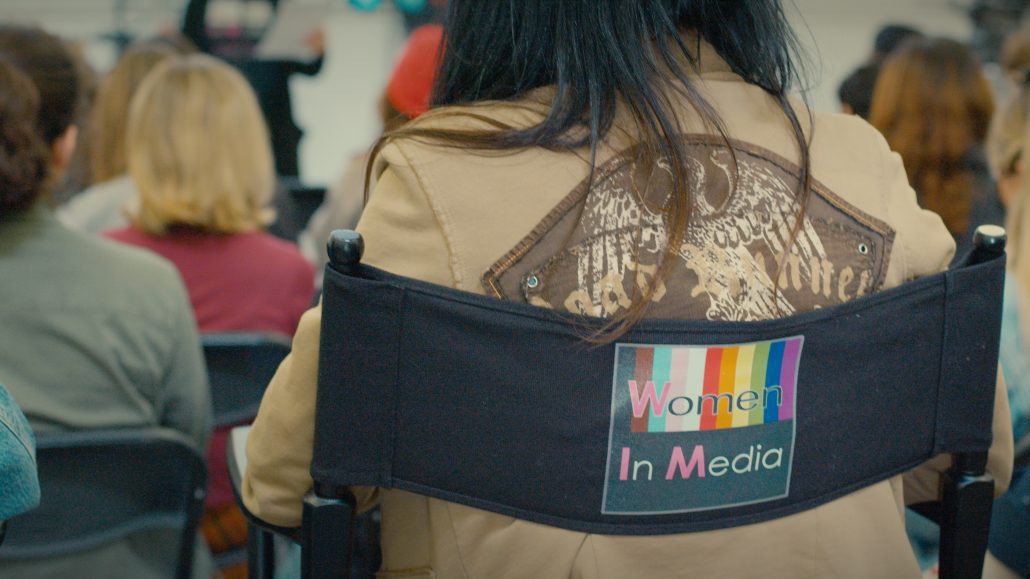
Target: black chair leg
(327, 536)
(966, 517)
(260, 553)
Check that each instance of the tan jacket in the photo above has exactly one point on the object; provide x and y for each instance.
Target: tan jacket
(448, 216)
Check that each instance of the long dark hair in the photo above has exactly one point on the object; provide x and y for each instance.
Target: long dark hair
(601, 54)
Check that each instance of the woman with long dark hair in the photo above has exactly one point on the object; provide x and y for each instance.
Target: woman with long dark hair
(625, 160)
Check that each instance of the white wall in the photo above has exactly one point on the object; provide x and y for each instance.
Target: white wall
(838, 34)
(337, 108)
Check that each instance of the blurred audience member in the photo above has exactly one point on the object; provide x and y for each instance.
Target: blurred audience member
(95, 335)
(856, 92)
(1010, 522)
(231, 32)
(406, 97)
(1015, 53)
(892, 37)
(76, 176)
(22, 161)
(102, 205)
(198, 152)
(1014, 60)
(934, 104)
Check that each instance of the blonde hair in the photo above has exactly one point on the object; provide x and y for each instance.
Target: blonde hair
(110, 109)
(1010, 130)
(199, 150)
(1009, 133)
(1015, 52)
(1004, 144)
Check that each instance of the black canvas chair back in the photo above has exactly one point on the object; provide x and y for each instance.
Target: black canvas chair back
(680, 426)
(239, 367)
(101, 486)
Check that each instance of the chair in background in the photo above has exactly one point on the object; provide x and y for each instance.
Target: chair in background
(294, 204)
(239, 367)
(102, 486)
(400, 368)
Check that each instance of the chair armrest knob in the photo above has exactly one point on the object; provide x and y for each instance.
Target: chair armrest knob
(345, 247)
(989, 240)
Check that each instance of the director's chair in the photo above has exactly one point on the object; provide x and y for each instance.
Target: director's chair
(401, 360)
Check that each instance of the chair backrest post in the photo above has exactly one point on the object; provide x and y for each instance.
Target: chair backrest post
(184, 568)
(327, 535)
(345, 248)
(988, 243)
(966, 517)
(967, 490)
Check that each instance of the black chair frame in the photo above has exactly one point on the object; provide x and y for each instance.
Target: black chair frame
(967, 490)
(239, 366)
(101, 486)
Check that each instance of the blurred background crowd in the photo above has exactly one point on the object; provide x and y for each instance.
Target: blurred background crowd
(147, 92)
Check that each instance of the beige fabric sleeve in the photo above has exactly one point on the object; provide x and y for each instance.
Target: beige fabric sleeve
(402, 235)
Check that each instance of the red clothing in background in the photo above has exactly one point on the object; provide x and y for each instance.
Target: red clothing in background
(240, 282)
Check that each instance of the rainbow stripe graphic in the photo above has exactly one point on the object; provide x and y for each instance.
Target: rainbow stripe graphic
(698, 388)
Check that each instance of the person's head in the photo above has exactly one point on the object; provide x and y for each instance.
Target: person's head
(856, 92)
(504, 49)
(1010, 131)
(1015, 55)
(173, 41)
(1005, 143)
(75, 175)
(891, 38)
(198, 150)
(47, 61)
(933, 104)
(609, 58)
(24, 156)
(111, 108)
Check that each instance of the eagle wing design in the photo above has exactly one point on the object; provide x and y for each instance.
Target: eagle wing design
(735, 243)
